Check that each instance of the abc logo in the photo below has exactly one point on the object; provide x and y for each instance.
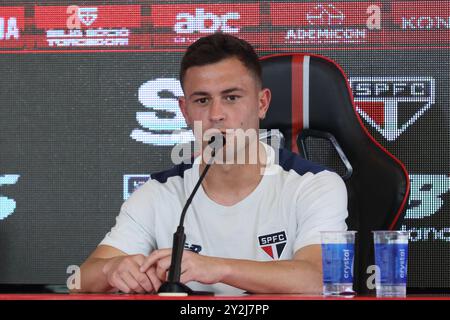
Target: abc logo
(203, 22)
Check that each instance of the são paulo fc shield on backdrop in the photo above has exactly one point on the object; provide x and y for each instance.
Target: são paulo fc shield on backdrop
(87, 16)
(392, 104)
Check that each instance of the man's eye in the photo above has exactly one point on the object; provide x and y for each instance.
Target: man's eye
(232, 98)
(202, 100)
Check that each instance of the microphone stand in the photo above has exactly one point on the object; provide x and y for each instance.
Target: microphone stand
(173, 286)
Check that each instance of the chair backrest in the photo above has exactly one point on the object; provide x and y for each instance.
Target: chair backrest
(311, 94)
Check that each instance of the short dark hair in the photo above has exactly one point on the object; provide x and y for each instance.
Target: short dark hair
(217, 47)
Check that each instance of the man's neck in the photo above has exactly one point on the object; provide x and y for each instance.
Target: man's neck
(228, 184)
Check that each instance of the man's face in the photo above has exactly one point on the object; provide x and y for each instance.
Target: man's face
(223, 95)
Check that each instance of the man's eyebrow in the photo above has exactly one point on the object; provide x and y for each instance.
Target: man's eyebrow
(232, 90)
(199, 93)
(226, 91)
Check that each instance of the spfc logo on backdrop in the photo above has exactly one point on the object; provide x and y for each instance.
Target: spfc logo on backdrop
(392, 104)
(273, 244)
(87, 16)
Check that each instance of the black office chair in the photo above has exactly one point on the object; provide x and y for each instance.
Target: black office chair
(312, 105)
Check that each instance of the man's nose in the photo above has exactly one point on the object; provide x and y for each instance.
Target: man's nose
(216, 111)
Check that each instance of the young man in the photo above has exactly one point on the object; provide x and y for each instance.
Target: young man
(250, 231)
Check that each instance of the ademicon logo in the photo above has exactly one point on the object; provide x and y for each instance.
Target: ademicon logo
(327, 22)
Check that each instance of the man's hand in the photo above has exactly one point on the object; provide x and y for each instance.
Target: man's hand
(194, 267)
(123, 273)
(302, 274)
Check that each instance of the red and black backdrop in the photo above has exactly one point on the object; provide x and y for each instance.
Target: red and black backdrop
(88, 110)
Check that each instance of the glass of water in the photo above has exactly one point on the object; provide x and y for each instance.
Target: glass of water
(391, 259)
(338, 252)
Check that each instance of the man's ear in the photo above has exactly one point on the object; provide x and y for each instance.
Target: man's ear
(264, 101)
(183, 109)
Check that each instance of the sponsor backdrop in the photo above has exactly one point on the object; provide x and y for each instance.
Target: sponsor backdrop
(88, 110)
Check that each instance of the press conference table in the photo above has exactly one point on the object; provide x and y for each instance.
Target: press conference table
(136, 297)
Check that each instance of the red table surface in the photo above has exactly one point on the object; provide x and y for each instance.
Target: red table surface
(218, 297)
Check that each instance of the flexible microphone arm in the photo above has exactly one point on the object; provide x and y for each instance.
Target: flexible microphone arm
(173, 286)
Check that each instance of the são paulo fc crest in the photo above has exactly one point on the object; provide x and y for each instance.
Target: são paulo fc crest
(87, 16)
(273, 244)
(392, 104)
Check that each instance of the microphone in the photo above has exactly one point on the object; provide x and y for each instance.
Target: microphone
(173, 286)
